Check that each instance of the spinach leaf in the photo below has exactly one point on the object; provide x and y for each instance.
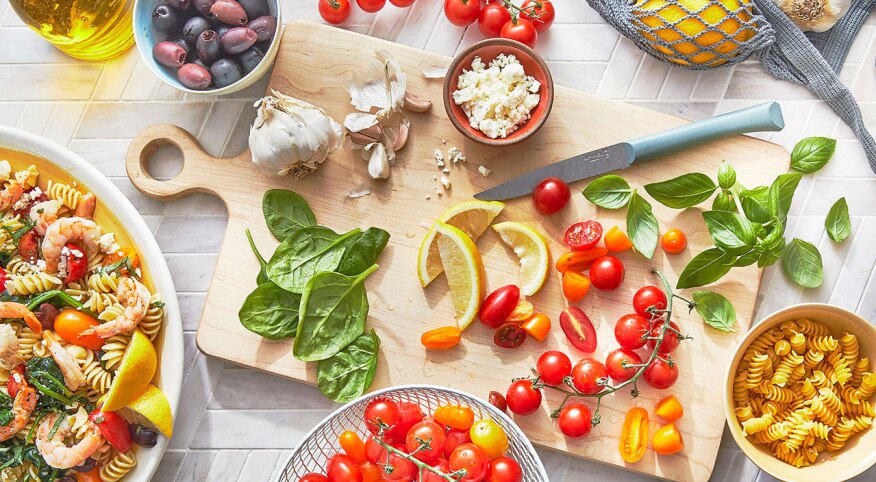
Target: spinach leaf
(731, 232)
(724, 202)
(262, 277)
(642, 226)
(346, 375)
(706, 267)
(801, 261)
(271, 312)
(726, 175)
(838, 224)
(332, 314)
(782, 193)
(11, 453)
(362, 251)
(812, 153)
(304, 253)
(683, 191)
(45, 472)
(756, 204)
(45, 375)
(609, 192)
(716, 310)
(286, 211)
(5, 409)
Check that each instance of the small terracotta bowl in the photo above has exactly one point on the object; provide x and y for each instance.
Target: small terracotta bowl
(488, 50)
(858, 454)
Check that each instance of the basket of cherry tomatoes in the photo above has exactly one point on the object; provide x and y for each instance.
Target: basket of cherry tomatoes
(415, 433)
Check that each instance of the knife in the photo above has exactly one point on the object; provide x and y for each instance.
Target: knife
(763, 117)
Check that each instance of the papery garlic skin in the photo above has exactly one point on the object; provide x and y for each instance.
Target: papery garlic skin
(381, 87)
(814, 15)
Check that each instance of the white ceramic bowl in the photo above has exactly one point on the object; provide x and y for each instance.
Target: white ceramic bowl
(112, 200)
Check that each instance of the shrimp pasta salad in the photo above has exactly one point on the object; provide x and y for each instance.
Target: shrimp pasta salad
(77, 325)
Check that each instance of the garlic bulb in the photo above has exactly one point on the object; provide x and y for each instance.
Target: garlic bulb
(292, 137)
(814, 15)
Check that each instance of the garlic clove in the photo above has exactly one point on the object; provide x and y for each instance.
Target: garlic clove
(366, 136)
(415, 103)
(378, 163)
(404, 130)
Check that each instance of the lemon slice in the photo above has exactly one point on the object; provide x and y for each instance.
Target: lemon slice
(152, 406)
(464, 270)
(135, 371)
(532, 252)
(471, 217)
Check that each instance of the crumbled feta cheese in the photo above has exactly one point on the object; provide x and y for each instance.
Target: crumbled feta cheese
(439, 158)
(41, 264)
(484, 170)
(455, 155)
(446, 170)
(5, 170)
(428, 196)
(445, 182)
(107, 243)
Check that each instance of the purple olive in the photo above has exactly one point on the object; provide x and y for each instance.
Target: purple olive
(203, 6)
(179, 4)
(193, 28)
(255, 8)
(230, 12)
(169, 54)
(47, 313)
(189, 48)
(85, 466)
(238, 39)
(250, 58)
(264, 26)
(194, 76)
(166, 19)
(225, 72)
(208, 46)
(142, 436)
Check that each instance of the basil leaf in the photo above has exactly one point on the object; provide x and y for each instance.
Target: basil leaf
(782, 193)
(262, 277)
(683, 191)
(285, 212)
(363, 251)
(731, 232)
(642, 226)
(771, 255)
(801, 261)
(746, 259)
(332, 314)
(724, 202)
(609, 192)
(812, 153)
(716, 310)
(726, 175)
(838, 224)
(756, 204)
(706, 267)
(346, 375)
(271, 312)
(304, 253)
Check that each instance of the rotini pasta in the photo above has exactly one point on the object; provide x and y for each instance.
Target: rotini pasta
(118, 467)
(32, 283)
(66, 194)
(113, 349)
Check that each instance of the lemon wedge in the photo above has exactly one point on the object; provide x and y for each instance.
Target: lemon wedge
(152, 406)
(532, 252)
(471, 217)
(135, 371)
(464, 270)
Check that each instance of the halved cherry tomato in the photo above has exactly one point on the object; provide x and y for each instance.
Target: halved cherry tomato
(341, 468)
(455, 438)
(575, 286)
(669, 408)
(490, 437)
(661, 374)
(673, 241)
(498, 305)
(583, 235)
(470, 458)
(353, 446)
(509, 335)
(114, 429)
(551, 194)
(70, 325)
(441, 338)
(426, 441)
(92, 475)
(616, 240)
(504, 469)
(553, 366)
(522, 398)
(370, 472)
(77, 263)
(614, 363)
(538, 326)
(522, 312)
(382, 412)
(586, 375)
(411, 414)
(667, 440)
(634, 436)
(455, 416)
(28, 246)
(578, 329)
(575, 420)
(2, 279)
(579, 260)
(16, 380)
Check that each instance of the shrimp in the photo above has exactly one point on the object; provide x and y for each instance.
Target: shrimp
(65, 230)
(73, 376)
(13, 310)
(9, 357)
(135, 297)
(10, 195)
(23, 405)
(86, 205)
(57, 453)
(43, 214)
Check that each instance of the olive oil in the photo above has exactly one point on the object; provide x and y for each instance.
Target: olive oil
(84, 29)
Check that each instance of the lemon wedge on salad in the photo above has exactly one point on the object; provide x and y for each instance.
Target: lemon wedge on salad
(152, 406)
(464, 270)
(135, 372)
(532, 252)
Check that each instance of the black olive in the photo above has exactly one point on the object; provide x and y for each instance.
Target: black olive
(225, 72)
(250, 58)
(193, 29)
(167, 19)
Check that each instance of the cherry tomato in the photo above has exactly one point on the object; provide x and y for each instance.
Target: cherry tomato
(670, 340)
(673, 241)
(616, 240)
(402, 3)
(578, 329)
(410, 416)
(522, 31)
(660, 374)
(370, 472)
(553, 366)
(538, 326)
(313, 477)
(462, 12)
(455, 438)
(586, 375)
(497, 400)
(492, 18)
(575, 286)
(130, 253)
(522, 312)
(432, 434)
(504, 469)
(522, 398)
(667, 440)
(381, 411)
(353, 446)
(2, 279)
(334, 11)
(669, 409)
(498, 305)
(114, 429)
(540, 12)
(371, 6)
(93, 475)
(374, 452)
(575, 420)
(509, 335)
(634, 436)
(472, 459)
(631, 330)
(607, 273)
(614, 364)
(429, 476)
(341, 468)
(70, 325)
(646, 297)
(77, 263)
(551, 194)
(16, 380)
(399, 469)
(583, 235)
(579, 260)
(490, 437)
(456, 416)
(442, 338)
(28, 246)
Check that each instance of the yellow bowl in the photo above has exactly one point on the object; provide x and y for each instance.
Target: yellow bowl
(858, 455)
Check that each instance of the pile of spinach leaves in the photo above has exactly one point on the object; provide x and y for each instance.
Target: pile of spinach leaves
(312, 289)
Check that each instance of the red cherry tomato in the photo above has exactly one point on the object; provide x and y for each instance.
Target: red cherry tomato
(432, 434)
(540, 12)
(631, 331)
(410, 416)
(2, 279)
(674, 241)
(429, 476)
(492, 18)
(574, 420)
(462, 12)
(499, 305)
(504, 469)
(77, 263)
(399, 469)
(497, 400)
(16, 380)
(313, 477)
(551, 194)
(334, 11)
(586, 375)
(583, 235)
(523, 31)
(341, 468)
(374, 452)
(670, 340)
(614, 364)
(370, 472)
(402, 3)
(382, 411)
(28, 246)
(522, 398)
(371, 6)
(509, 335)
(553, 366)
(472, 459)
(114, 429)
(607, 273)
(455, 438)
(660, 374)
(578, 329)
(646, 297)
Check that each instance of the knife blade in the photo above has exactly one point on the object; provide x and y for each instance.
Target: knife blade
(763, 117)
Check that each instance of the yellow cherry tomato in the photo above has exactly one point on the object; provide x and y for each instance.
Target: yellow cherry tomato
(667, 440)
(538, 326)
(674, 241)
(71, 325)
(616, 240)
(575, 286)
(669, 408)
(634, 436)
(579, 260)
(489, 436)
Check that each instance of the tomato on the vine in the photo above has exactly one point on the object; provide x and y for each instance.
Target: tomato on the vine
(410, 416)
(341, 468)
(399, 469)
(586, 375)
(490, 437)
(575, 286)
(371, 6)
(673, 241)
(472, 459)
(583, 235)
(614, 364)
(402, 3)
(551, 194)
(646, 297)
(607, 273)
(492, 18)
(334, 11)
(313, 477)
(667, 440)
(670, 339)
(631, 330)
(462, 12)
(509, 335)
(455, 438)
(370, 472)
(661, 374)
(575, 420)
(553, 366)
(382, 411)
(374, 452)
(504, 469)
(540, 12)
(499, 305)
(522, 398)
(578, 329)
(433, 437)
(429, 476)
(522, 31)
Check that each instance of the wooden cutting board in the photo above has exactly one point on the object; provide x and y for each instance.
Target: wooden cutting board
(315, 63)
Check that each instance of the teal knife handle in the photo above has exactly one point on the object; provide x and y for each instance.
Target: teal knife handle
(763, 117)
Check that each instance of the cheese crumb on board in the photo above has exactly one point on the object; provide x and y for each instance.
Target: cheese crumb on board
(485, 171)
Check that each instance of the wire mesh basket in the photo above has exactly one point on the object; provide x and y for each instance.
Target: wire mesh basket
(322, 442)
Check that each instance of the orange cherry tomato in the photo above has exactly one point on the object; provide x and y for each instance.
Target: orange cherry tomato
(370, 472)
(441, 338)
(634, 436)
(538, 326)
(616, 240)
(667, 440)
(353, 446)
(70, 325)
(579, 260)
(674, 241)
(522, 312)
(575, 286)
(669, 408)
(92, 475)
(455, 416)
(129, 253)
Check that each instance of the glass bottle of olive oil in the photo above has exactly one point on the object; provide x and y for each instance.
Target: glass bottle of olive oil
(84, 29)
